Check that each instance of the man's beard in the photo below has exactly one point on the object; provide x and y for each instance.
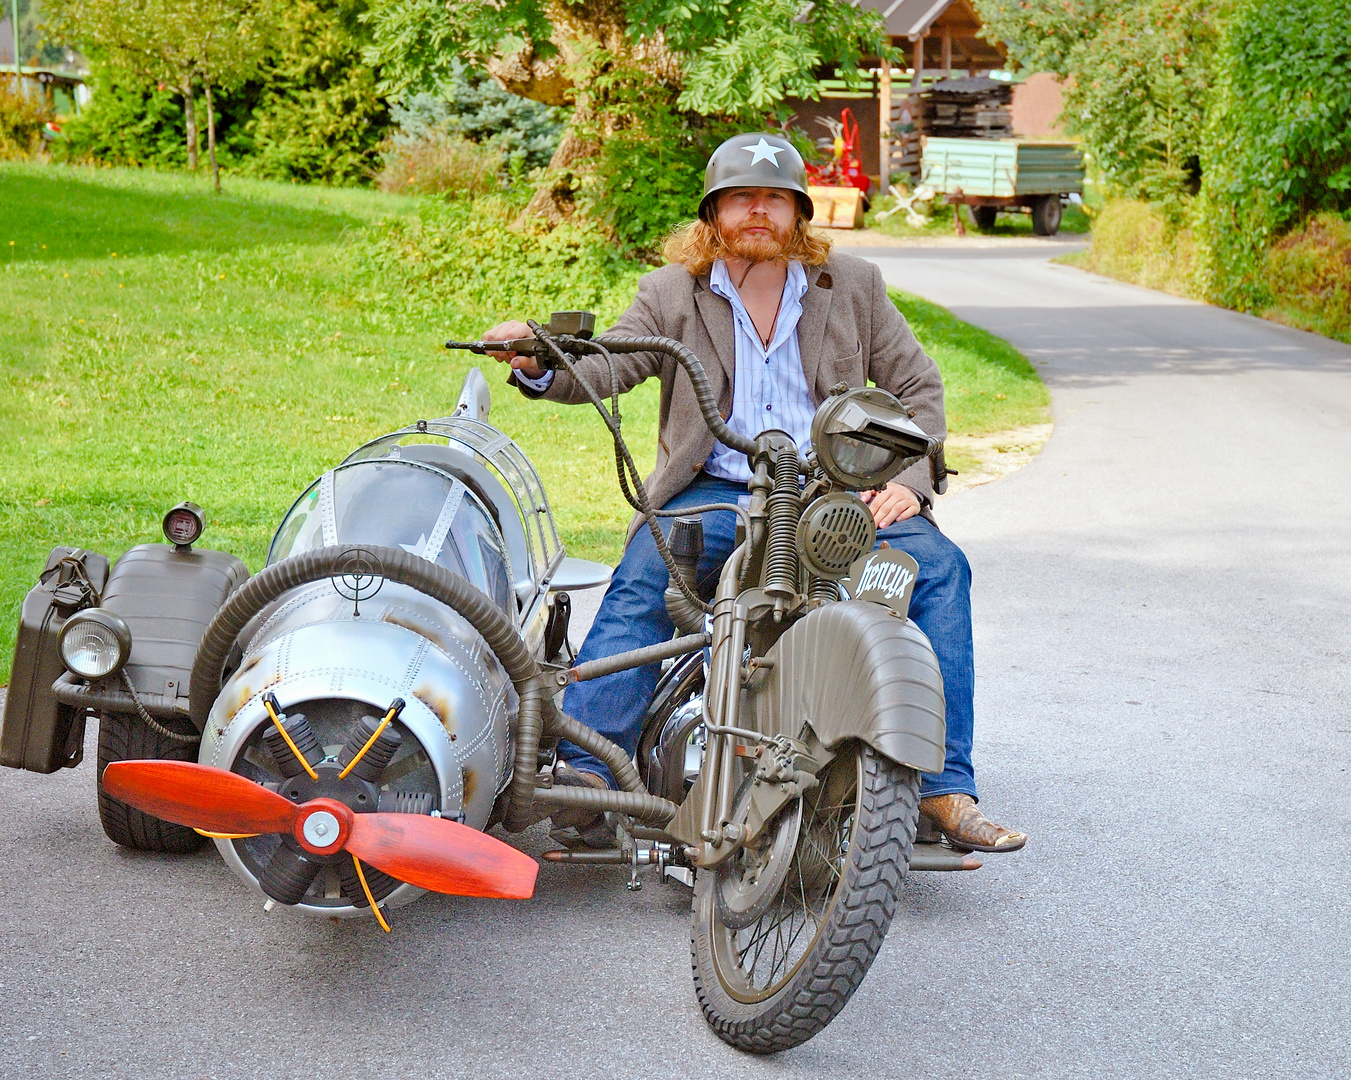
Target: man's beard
(739, 244)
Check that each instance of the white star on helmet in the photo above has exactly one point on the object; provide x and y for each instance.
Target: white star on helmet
(762, 151)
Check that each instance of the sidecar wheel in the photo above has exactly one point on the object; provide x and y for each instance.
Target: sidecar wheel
(776, 983)
(123, 738)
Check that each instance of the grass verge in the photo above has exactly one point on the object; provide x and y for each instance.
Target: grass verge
(1306, 274)
(162, 343)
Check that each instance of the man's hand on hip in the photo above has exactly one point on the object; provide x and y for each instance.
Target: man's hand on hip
(893, 503)
(508, 331)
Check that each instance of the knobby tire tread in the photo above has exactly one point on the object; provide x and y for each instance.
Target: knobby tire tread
(856, 926)
(125, 738)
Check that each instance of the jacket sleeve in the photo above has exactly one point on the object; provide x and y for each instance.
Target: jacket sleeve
(899, 364)
(640, 320)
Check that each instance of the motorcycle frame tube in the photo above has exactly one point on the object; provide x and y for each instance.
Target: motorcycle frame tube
(722, 693)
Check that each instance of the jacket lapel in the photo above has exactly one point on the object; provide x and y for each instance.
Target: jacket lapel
(717, 315)
(811, 327)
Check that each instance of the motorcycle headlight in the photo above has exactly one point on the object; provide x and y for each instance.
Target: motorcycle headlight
(95, 643)
(863, 437)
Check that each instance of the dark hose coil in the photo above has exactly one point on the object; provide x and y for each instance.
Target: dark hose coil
(480, 611)
(785, 508)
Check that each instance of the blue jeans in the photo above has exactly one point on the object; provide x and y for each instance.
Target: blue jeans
(633, 614)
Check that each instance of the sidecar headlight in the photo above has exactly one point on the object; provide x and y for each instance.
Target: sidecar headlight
(95, 643)
(183, 525)
(863, 437)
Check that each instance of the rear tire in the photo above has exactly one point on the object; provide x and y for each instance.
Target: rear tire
(984, 216)
(126, 738)
(851, 858)
(1046, 215)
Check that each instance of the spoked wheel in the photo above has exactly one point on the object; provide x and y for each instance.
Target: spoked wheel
(772, 983)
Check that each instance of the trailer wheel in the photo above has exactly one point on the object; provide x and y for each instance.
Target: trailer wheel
(984, 216)
(1046, 215)
(125, 738)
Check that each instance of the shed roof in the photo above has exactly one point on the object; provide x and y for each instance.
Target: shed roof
(906, 18)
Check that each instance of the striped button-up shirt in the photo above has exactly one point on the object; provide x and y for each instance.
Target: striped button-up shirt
(770, 388)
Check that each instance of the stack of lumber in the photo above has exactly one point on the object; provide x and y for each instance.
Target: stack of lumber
(974, 108)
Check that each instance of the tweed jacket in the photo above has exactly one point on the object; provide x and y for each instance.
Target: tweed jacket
(849, 331)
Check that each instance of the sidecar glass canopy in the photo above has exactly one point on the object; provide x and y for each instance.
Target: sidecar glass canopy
(499, 473)
(401, 504)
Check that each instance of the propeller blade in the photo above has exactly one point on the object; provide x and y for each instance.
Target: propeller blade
(199, 796)
(442, 855)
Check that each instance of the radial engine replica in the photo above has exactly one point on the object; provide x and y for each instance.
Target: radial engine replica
(347, 724)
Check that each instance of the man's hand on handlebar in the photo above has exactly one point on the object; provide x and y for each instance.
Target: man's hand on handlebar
(893, 503)
(509, 331)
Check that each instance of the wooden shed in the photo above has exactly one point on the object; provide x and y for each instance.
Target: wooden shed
(941, 38)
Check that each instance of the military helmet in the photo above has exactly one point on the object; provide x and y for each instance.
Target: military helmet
(758, 159)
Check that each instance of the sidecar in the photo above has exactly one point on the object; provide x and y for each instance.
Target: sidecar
(356, 688)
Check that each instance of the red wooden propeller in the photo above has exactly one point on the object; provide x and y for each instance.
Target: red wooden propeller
(431, 853)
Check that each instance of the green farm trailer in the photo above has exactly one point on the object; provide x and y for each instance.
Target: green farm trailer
(990, 175)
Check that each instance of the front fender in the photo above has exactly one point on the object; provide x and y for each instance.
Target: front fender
(853, 670)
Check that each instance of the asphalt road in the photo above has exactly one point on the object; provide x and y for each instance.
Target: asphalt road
(1162, 607)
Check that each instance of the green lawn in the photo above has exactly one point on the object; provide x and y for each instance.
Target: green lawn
(159, 343)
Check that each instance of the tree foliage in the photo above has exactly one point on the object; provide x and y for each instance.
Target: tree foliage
(649, 69)
(468, 103)
(1138, 78)
(181, 43)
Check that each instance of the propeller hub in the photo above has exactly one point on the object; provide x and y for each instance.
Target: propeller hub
(323, 826)
(321, 829)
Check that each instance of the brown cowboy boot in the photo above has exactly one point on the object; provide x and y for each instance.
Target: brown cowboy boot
(959, 819)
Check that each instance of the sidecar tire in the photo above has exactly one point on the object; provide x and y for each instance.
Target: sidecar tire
(123, 738)
(849, 937)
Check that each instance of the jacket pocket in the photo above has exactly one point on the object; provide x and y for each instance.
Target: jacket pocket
(850, 367)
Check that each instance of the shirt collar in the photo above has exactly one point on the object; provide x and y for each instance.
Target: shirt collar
(720, 282)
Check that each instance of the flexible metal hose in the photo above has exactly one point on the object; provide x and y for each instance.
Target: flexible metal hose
(497, 630)
(310, 566)
(703, 392)
(407, 569)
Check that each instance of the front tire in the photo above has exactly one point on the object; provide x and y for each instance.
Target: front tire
(126, 738)
(984, 216)
(778, 982)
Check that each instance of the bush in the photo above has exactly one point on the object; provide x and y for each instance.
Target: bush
(653, 176)
(1139, 242)
(1278, 140)
(440, 163)
(1308, 274)
(21, 122)
(315, 115)
(126, 124)
(467, 259)
(469, 103)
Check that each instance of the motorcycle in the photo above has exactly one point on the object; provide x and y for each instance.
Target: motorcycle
(349, 723)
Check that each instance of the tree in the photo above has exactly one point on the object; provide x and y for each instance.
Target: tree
(180, 43)
(1138, 78)
(624, 65)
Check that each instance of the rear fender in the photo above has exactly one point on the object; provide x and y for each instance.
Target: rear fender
(854, 670)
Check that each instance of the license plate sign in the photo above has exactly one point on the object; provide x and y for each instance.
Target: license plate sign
(885, 576)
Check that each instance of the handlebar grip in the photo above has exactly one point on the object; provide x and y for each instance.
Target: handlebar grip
(939, 471)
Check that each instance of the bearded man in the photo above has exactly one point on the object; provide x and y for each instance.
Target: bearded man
(777, 320)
